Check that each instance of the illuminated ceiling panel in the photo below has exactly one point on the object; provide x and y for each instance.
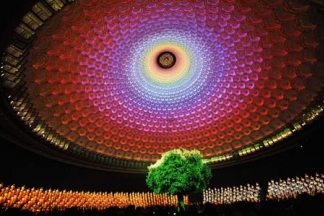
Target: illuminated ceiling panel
(117, 83)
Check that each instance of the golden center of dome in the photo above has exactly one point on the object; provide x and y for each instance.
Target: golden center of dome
(166, 60)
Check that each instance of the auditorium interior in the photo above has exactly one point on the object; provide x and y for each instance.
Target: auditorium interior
(95, 91)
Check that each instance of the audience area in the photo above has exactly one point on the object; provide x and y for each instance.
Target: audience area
(300, 195)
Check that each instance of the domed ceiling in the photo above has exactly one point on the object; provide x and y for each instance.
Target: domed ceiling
(114, 84)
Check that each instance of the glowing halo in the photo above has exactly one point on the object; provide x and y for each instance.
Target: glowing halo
(175, 73)
(187, 78)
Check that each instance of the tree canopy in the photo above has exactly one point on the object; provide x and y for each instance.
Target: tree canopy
(179, 171)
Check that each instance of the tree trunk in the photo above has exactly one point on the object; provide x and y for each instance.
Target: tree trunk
(181, 204)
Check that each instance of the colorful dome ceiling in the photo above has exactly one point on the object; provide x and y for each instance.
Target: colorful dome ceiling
(114, 84)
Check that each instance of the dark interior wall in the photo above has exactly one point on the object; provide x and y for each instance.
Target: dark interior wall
(22, 167)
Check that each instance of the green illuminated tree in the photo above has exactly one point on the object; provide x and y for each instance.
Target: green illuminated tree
(179, 172)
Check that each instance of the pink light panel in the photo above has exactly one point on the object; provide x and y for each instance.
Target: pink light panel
(93, 78)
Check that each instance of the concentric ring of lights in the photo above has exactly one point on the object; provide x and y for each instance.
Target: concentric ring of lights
(158, 75)
(172, 89)
(243, 70)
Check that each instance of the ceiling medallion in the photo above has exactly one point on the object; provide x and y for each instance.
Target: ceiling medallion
(166, 60)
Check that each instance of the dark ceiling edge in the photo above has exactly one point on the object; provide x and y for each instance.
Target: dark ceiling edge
(32, 144)
(15, 132)
(283, 146)
(11, 14)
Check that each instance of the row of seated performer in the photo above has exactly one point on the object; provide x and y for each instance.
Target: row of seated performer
(40, 200)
